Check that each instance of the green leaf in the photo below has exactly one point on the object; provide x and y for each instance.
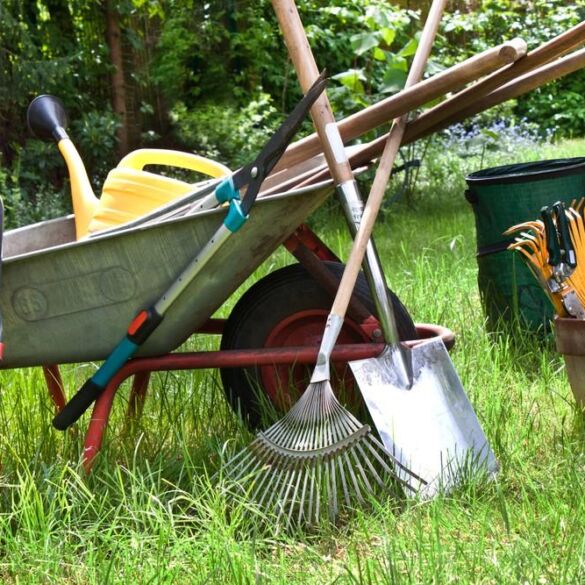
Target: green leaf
(388, 34)
(490, 134)
(352, 79)
(394, 81)
(379, 55)
(409, 49)
(396, 62)
(363, 42)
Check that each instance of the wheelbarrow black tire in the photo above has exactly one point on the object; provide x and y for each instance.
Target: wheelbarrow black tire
(263, 306)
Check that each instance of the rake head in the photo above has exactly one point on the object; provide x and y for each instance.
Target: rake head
(317, 459)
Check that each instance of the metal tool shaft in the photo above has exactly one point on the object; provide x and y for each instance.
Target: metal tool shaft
(353, 207)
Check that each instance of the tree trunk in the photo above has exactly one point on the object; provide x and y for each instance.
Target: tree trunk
(114, 40)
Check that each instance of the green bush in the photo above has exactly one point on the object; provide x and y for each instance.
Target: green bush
(227, 133)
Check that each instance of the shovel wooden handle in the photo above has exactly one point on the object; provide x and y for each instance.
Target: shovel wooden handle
(307, 71)
(384, 170)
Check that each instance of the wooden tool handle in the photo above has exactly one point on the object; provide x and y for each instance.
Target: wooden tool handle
(307, 71)
(447, 110)
(407, 100)
(433, 120)
(384, 170)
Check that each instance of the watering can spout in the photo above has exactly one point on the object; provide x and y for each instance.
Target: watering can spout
(84, 200)
(47, 120)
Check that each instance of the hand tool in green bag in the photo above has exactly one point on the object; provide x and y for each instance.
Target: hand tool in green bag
(147, 321)
(319, 456)
(564, 259)
(547, 249)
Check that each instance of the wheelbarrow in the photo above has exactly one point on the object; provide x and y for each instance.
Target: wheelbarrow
(68, 301)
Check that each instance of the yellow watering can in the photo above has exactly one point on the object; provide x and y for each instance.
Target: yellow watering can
(128, 191)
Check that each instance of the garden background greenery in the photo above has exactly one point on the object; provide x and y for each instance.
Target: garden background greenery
(213, 77)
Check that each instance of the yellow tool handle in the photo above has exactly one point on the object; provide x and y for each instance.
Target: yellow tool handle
(173, 158)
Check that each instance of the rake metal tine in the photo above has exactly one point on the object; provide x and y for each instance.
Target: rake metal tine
(283, 498)
(333, 497)
(368, 463)
(253, 463)
(294, 496)
(273, 479)
(259, 485)
(243, 456)
(361, 471)
(311, 494)
(356, 487)
(302, 500)
(318, 493)
(276, 499)
(343, 482)
(373, 442)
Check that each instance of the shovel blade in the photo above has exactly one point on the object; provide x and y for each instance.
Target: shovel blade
(429, 426)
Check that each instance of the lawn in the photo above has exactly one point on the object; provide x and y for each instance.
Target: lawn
(149, 512)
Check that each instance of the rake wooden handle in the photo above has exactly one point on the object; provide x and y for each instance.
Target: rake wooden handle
(407, 100)
(384, 170)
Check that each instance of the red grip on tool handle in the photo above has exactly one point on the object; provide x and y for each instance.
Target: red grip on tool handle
(143, 325)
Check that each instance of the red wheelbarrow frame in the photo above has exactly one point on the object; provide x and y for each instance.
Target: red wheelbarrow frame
(310, 251)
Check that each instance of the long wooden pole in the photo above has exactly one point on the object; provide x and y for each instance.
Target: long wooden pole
(421, 127)
(546, 53)
(410, 98)
(384, 170)
(448, 112)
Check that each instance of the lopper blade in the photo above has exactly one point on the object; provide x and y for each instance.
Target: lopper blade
(431, 427)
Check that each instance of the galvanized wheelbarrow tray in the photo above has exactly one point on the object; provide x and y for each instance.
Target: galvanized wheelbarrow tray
(71, 301)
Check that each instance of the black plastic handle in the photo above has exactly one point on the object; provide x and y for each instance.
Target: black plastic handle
(75, 408)
(567, 248)
(552, 241)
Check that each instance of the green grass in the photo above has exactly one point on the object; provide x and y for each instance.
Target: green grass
(150, 514)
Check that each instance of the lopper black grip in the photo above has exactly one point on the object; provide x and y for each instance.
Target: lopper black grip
(552, 240)
(567, 249)
(75, 408)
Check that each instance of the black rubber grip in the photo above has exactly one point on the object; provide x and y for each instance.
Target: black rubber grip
(75, 408)
(567, 248)
(552, 240)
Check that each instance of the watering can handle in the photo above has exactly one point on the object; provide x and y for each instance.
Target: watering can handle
(173, 158)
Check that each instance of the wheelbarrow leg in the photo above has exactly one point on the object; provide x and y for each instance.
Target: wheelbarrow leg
(55, 385)
(138, 395)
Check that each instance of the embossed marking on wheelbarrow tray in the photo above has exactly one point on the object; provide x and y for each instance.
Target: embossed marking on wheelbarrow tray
(67, 301)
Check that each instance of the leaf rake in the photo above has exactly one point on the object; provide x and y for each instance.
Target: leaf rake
(317, 457)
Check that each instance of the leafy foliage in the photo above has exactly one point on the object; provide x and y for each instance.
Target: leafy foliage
(215, 77)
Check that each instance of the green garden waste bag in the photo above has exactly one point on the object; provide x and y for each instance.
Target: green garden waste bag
(502, 197)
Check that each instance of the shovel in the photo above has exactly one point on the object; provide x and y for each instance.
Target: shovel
(414, 396)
